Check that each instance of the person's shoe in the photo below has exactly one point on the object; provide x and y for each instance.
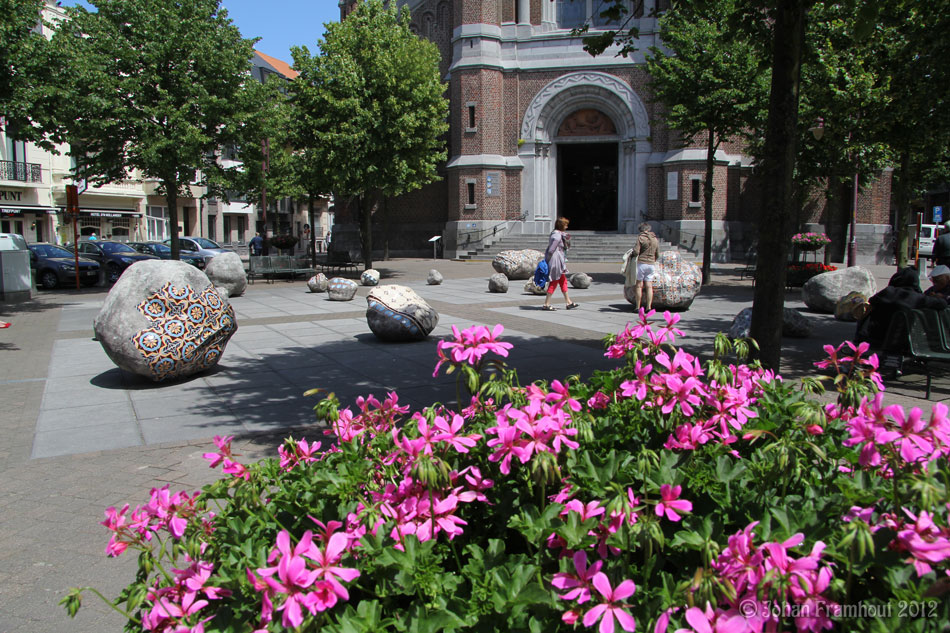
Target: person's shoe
(571, 306)
(548, 308)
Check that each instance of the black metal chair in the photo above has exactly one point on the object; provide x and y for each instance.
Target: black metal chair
(925, 344)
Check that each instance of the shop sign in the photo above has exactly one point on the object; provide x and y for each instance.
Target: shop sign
(11, 196)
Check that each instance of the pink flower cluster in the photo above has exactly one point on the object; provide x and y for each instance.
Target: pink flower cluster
(306, 576)
(925, 542)
(541, 426)
(891, 439)
(374, 416)
(762, 576)
(610, 605)
(164, 511)
(226, 458)
(470, 345)
(176, 609)
(295, 452)
(852, 360)
(676, 384)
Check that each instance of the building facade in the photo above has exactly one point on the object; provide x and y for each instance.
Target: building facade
(539, 128)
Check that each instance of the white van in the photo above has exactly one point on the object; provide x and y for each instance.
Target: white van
(928, 235)
(12, 242)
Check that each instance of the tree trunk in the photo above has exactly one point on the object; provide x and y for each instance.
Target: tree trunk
(708, 190)
(385, 205)
(902, 216)
(313, 232)
(777, 173)
(366, 229)
(171, 199)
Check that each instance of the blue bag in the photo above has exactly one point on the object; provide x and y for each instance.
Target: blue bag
(541, 274)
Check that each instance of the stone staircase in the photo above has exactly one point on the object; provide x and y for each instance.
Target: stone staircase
(586, 246)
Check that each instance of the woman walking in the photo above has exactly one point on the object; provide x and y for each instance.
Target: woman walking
(556, 258)
(645, 250)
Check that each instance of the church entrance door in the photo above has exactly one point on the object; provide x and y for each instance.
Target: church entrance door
(587, 185)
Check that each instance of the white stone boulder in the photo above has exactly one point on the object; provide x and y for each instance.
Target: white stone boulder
(164, 319)
(794, 324)
(340, 289)
(822, 292)
(370, 277)
(581, 281)
(676, 284)
(517, 264)
(498, 283)
(318, 283)
(397, 313)
(226, 271)
(530, 288)
(434, 278)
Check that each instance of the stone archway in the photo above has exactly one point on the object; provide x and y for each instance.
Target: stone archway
(539, 130)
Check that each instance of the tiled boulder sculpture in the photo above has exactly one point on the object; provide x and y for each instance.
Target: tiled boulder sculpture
(581, 281)
(164, 320)
(517, 264)
(434, 278)
(498, 283)
(397, 313)
(340, 289)
(530, 288)
(851, 307)
(226, 271)
(794, 324)
(370, 277)
(822, 292)
(318, 283)
(676, 285)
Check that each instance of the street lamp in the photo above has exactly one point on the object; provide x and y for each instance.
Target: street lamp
(818, 131)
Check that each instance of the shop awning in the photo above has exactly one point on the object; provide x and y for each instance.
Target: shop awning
(19, 210)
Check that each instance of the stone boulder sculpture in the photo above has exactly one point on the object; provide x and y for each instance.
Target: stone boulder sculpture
(794, 324)
(370, 277)
(226, 271)
(498, 283)
(340, 289)
(676, 285)
(318, 283)
(517, 264)
(822, 292)
(581, 281)
(164, 319)
(397, 313)
(530, 288)
(434, 278)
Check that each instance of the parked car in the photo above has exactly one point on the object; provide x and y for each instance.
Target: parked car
(53, 265)
(164, 251)
(12, 242)
(200, 246)
(114, 256)
(928, 235)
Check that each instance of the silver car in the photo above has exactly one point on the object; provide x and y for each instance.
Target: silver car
(199, 246)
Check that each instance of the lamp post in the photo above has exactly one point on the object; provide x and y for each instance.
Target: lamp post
(818, 131)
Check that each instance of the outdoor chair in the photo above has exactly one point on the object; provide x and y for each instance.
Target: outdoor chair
(925, 346)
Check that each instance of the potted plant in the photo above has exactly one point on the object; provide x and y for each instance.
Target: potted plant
(284, 241)
(810, 241)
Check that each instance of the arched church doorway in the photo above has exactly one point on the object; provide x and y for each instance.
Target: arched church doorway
(587, 185)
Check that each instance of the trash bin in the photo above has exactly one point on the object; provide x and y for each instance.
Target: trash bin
(16, 283)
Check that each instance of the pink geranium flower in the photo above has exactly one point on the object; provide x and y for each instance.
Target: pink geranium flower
(578, 583)
(612, 607)
(671, 502)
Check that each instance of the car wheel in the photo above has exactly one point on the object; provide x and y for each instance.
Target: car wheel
(113, 273)
(48, 279)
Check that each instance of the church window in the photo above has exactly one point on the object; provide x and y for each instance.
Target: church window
(470, 120)
(470, 184)
(576, 13)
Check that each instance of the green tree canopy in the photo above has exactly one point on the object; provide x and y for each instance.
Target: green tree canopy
(713, 84)
(151, 85)
(374, 104)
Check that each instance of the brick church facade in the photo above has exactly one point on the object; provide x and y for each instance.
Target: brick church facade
(539, 128)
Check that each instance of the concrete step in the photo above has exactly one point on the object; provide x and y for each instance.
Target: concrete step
(585, 247)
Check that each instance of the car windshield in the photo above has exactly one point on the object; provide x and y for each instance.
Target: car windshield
(47, 250)
(117, 247)
(205, 243)
(159, 248)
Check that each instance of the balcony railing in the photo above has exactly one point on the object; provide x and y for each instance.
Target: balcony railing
(24, 172)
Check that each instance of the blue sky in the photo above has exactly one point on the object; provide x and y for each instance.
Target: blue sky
(282, 23)
(279, 23)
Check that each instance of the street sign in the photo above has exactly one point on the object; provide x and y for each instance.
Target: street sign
(72, 199)
(938, 215)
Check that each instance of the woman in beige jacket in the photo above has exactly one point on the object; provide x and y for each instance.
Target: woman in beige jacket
(645, 250)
